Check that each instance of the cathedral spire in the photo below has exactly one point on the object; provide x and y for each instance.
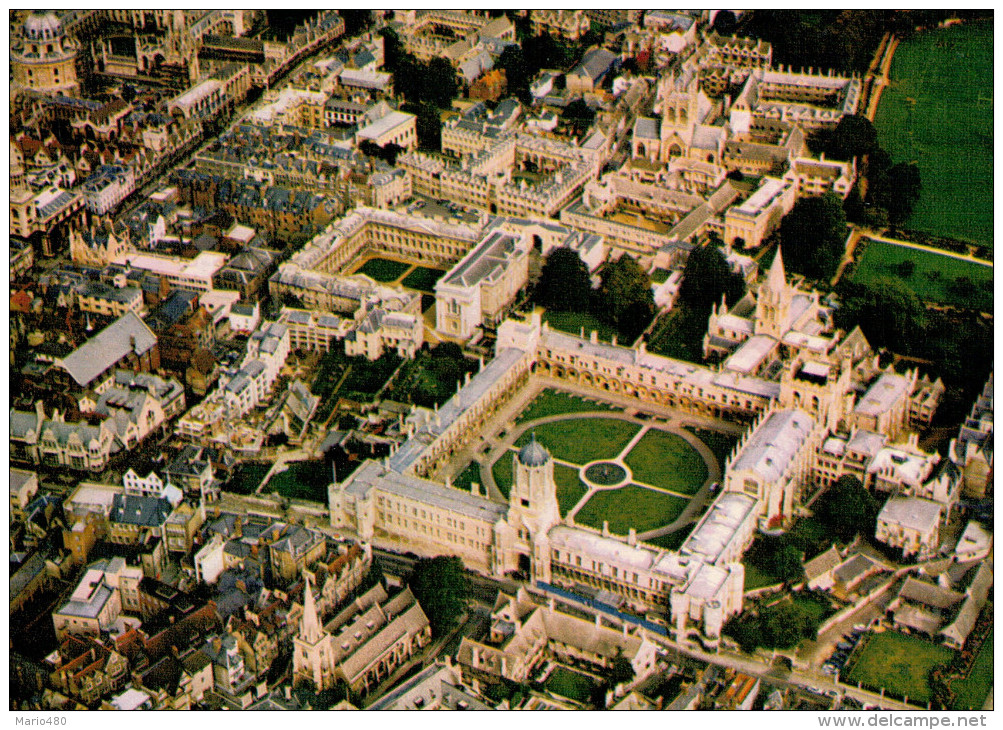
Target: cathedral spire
(776, 280)
(310, 629)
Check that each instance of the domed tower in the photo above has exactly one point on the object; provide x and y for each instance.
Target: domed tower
(533, 508)
(43, 57)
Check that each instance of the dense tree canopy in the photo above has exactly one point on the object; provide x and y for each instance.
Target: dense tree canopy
(853, 136)
(625, 299)
(725, 22)
(388, 152)
(430, 378)
(847, 508)
(442, 588)
(706, 277)
(517, 74)
(895, 189)
(781, 625)
(843, 40)
(432, 82)
(579, 117)
(889, 313)
(813, 235)
(564, 284)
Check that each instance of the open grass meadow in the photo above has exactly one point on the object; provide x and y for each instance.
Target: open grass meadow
(582, 440)
(630, 506)
(757, 578)
(933, 277)
(552, 402)
(897, 662)
(665, 460)
(971, 693)
(938, 113)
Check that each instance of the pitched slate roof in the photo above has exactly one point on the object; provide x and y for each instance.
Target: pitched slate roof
(126, 334)
(131, 509)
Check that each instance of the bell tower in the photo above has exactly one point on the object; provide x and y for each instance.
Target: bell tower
(533, 508)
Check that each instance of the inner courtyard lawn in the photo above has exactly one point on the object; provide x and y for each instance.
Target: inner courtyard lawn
(581, 440)
(570, 489)
(502, 472)
(933, 277)
(471, 474)
(302, 480)
(938, 113)
(247, 475)
(422, 279)
(572, 323)
(722, 444)
(679, 333)
(384, 270)
(571, 684)
(672, 541)
(552, 402)
(630, 506)
(756, 578)
(665, 460)
(899, 663)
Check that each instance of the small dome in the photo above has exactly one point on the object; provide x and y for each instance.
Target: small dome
(533, 454)
(42, 26)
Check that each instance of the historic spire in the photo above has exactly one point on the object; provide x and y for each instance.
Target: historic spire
(310, 628)
(776, 280)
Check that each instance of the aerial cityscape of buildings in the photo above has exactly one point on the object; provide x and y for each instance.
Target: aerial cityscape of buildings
(449, 359)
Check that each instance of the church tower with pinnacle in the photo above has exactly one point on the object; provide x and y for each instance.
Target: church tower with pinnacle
(773, 303)
(313, 655)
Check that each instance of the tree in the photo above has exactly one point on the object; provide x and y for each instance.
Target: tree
(854, 136)
(787, 564)
(439, 83)
(578, 116)
(905, 268)
(813, 236)
(847, 508)
(706, 277)
(388, 152)
(621, 671)
(428, 125)
(564, 284)
(889, 313)
(517, 76)
(898, 191)
(356, 21)
(625, 299)
(442, 588)
(725, 22)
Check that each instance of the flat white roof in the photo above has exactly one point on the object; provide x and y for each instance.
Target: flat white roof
(385, 124)
(202, 266)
